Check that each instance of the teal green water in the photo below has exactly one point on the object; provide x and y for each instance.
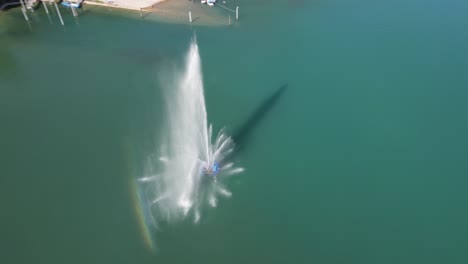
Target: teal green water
(363, 159)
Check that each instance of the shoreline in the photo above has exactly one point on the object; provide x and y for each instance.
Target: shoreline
(126, 4)
(172, 11)
(165, 11)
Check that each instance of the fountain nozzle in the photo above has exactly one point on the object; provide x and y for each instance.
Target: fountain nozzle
(211, 169)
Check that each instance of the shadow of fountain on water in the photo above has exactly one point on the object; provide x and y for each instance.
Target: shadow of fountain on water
(241, 137)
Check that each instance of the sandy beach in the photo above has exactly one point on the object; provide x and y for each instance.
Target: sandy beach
(126, 4)
(173, 11)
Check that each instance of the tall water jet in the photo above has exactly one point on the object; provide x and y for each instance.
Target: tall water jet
(187, 171)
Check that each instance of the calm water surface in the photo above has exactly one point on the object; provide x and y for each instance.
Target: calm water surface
(363, 158)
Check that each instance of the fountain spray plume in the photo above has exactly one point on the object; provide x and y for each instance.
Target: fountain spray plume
(188, 170)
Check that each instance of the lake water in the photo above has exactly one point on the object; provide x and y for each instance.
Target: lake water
(362, 159)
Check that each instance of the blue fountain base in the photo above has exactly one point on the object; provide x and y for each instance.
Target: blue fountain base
(213, 170)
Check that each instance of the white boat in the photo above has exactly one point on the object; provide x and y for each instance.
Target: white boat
(210, 4)
(203, 1)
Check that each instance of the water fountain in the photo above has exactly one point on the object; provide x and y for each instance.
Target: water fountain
(189, 170)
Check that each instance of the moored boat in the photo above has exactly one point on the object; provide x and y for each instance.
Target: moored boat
(72, 4)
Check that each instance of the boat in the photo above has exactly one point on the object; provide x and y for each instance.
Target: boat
(210, 2)
(31, 4)
(9, 4)
(203, 1)
(72, 4)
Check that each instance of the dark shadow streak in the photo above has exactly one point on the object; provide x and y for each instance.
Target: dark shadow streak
(147, 14)
(241, 137)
